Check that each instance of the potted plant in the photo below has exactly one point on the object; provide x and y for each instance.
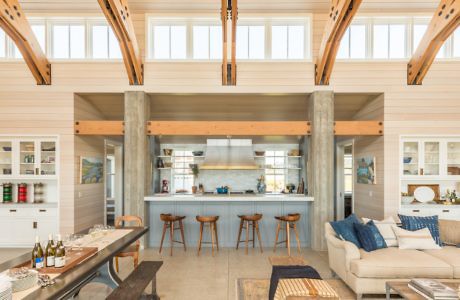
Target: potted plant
(195, 170)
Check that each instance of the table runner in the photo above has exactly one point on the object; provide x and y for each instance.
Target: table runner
(100, 241)
(304, 287)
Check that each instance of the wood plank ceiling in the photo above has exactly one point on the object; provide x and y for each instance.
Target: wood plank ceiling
(260, 6)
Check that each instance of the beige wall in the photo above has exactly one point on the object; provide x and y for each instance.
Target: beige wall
(369, 198)
(89, 198)
(26, 108)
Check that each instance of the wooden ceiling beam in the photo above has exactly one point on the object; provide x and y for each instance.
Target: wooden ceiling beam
(232, 128)
(234, 29)
(443, 23)
(341, 14)
(119, 17)
(358, 128)
(14, 22)
(99, 128)
(223, 15)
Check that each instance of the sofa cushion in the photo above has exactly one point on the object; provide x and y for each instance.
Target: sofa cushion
(449, 255)
(449, 232)
(395, 263)
(386, 230)
(345, 230)
(413, 223)
(369, 236)
(416, 240)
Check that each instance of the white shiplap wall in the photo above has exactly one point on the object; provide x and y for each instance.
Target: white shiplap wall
(26, 108)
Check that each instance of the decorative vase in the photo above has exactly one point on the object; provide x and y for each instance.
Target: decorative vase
(194, 189)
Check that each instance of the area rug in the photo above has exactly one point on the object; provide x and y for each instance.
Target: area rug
(257, 289)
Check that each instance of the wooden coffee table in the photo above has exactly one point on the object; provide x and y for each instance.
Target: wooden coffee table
(402, 289)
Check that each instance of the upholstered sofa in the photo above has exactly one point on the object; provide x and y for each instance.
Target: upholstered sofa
(366, 272)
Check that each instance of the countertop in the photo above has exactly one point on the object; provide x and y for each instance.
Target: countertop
(431, 205)
(229, 198)
(28, 205)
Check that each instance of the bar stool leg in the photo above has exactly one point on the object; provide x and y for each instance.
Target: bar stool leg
(239, 234)
(258, 236)
(253, 234)
(217, 236)
(181, 226)
(288, 242)
(171, 237)
(201, 236)
(211, 229)
(297, 237)
(277, 235)
(163, 236)
(247, 236)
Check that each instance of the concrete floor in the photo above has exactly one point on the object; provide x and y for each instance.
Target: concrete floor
(188, 276)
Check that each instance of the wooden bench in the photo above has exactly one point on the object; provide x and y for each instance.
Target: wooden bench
(133, 287)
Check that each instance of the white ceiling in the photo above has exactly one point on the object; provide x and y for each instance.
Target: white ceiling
(214, 5)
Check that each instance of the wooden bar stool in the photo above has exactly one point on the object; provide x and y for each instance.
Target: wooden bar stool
(290, 220)
(212, 221)
(169, 221)
(246, 222)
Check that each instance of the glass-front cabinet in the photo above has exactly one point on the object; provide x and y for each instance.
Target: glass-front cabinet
(430, 157)
(27, 157)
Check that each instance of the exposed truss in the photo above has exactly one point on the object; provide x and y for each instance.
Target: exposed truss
(341, 14)
(15, 24)
(119, 17)
(444, 22)
(229, 10)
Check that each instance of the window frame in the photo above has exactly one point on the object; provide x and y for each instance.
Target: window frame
(402, 19)
(266, 20)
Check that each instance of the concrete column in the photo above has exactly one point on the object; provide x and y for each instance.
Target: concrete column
(321, 164)
(137, 158)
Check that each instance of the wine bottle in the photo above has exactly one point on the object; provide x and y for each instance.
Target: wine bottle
(38, 257)
(50, 252)
(59, 260)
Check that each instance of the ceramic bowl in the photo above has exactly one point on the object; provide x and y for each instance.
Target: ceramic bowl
(259, 153)
(168, 152)
(198, 153)
(407, 160)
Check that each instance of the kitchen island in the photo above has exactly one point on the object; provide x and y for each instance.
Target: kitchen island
(228, 207)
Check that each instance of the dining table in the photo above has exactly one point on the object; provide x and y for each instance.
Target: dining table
(70, 282)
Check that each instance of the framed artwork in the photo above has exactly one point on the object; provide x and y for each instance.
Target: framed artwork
(366, 170)
(91, 170)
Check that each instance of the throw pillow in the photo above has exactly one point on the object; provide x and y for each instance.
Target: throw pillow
(449, 232)
(413, 223)
(416, 240)
(386, 230)
(345, 230)
(369, 236)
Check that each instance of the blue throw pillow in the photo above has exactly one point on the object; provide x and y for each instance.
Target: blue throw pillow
(345, 230)
(369, 236)
(413, 223)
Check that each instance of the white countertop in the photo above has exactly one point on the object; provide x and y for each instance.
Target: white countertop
(28, 205)
(430, 205)
(229, 198)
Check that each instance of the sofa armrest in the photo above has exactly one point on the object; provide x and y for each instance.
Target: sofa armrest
(340, 252)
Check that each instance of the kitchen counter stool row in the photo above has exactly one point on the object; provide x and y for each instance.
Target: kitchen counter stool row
(247, 223)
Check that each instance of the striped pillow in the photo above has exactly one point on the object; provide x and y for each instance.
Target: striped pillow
(413, 223)
(415, 240)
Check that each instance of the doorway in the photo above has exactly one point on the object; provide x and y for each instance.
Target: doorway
(113, 181)
(344, 179)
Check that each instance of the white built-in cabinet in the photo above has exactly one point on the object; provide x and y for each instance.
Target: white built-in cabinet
(30, 160)
(430, 158)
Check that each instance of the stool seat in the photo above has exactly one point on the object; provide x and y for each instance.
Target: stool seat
(210, 221)
(168, 222)
(207, 219)
(247, 221)
(170, 218)
(290, 221)
(252, 218)
(289, 218)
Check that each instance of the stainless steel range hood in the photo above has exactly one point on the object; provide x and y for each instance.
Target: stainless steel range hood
(229, 154)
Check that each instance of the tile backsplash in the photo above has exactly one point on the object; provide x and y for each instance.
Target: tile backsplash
(237, 180)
